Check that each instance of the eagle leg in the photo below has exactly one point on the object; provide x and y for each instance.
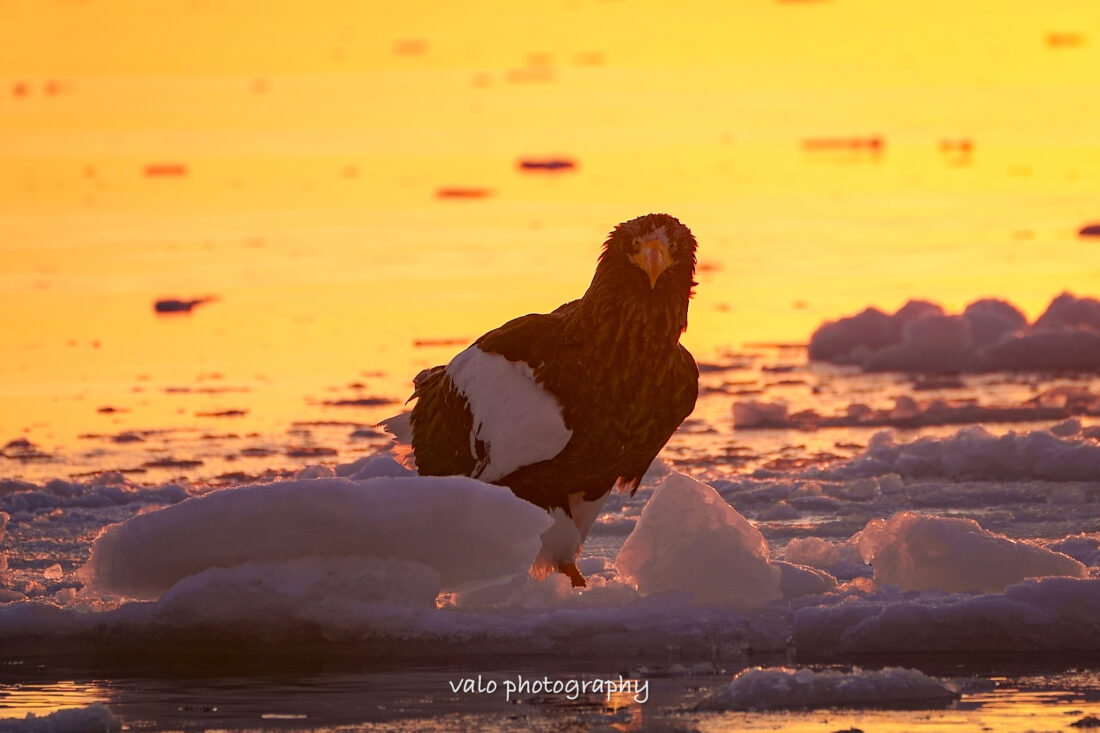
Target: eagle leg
(569, 569)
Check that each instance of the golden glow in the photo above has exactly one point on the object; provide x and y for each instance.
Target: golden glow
(310, 140)
(17, 701)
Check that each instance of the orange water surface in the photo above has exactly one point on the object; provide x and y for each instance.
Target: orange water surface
(287, 160)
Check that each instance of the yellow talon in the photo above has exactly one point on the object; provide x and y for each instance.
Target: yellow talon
(569, 569)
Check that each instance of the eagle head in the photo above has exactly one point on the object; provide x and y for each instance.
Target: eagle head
(659, 246)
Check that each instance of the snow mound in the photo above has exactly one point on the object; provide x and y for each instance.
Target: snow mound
(689, 539)
(918, 552)
(989, 335)
(782, 688)
(466, 530)
(95, 718)
(973, 453)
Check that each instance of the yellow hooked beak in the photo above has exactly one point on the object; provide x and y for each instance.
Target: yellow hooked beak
(653, 258)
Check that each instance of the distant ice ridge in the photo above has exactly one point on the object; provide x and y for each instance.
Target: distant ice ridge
(95, 718)
(975, 454)
(783, 688)
(990, 335)
(100, 492)
(1057, 403)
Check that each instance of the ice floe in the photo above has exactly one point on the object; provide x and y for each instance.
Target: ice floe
(990, 335)
(94, 718)
(918, 552)
(974, 453)
(1057, 403)
(784, 688)
(688, 539)
(465, 530)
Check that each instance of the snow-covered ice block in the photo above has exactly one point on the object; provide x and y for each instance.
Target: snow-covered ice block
(783, 688)
(800, 580)
(333, 593)
(94, 718)
(689, 539)
(466, 530)
(752, 413)
(840, 559)
(918, 552)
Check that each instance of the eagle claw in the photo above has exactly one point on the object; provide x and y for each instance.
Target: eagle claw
(569, 569)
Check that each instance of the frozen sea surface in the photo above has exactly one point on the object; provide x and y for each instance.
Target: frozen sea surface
(351, 592)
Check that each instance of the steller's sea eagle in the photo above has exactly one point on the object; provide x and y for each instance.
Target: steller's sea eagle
(562, 407)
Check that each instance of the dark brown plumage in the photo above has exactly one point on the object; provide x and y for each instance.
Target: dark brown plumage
(561, 407)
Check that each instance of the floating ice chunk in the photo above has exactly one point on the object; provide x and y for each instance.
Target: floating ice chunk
(1048, 349)
(976, 454)
(758, 414)
(782, 688)
(841, 560)
(989, 335)
(466, 530)
(991, 320)
(800, 580)
(689, 539)
(1067, 428)
(840, 340)
(860, 489)
(1067, 310)
(932, 342)
(95, 718)
(105, 490)
(918, 552)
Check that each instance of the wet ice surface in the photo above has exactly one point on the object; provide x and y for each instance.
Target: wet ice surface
(421, 699)
(828, 539)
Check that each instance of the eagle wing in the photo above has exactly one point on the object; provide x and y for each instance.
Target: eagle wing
(677, 395)
(486, 414)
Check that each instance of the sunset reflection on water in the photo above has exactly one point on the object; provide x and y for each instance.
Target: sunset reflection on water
(288, 159)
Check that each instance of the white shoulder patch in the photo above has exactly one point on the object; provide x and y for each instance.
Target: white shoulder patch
(519, 421)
